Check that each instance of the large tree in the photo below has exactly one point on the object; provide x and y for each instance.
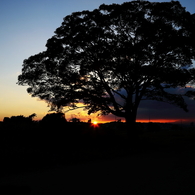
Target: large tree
(115, 56)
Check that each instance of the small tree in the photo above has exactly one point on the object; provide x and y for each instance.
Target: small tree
(113, 57)
(32, 116)
(54, 118)
(75, 120)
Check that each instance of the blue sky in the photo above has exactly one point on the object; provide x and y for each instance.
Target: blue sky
(26, 25)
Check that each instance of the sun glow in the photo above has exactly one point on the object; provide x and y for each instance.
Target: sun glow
(95, 123)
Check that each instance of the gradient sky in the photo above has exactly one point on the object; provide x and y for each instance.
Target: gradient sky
(25, 27)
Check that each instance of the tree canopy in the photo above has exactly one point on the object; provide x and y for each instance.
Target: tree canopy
(115, 56)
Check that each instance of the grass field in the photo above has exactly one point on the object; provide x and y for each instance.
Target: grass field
(97, 161)
(35, 147)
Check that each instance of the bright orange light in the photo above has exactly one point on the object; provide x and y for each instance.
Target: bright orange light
(95, 123)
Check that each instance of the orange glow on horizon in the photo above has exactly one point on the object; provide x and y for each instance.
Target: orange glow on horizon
(95, 120)
(95, 123)
(161, 120)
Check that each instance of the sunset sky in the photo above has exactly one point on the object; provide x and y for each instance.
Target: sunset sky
(26, 25)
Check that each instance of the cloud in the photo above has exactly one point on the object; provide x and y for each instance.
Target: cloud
(160, 110)
(156, 110)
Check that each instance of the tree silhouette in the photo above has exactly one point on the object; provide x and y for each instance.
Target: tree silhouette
(115, 56)
(75, 120)
(54, 118)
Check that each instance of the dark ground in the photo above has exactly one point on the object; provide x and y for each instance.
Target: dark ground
(160, 162)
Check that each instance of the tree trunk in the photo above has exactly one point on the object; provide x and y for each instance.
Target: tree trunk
(131, 124)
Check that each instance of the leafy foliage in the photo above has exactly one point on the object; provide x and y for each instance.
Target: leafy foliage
(113, 57)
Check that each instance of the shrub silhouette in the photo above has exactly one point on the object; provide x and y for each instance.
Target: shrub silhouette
(75, 120)
(54, 119)
(19, 120)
